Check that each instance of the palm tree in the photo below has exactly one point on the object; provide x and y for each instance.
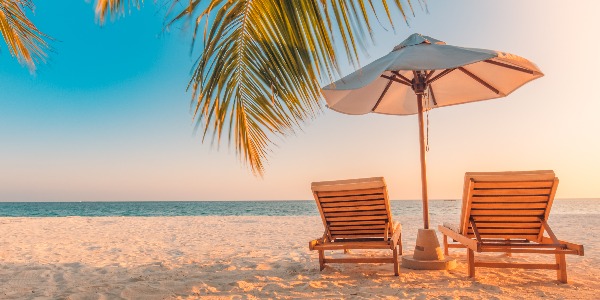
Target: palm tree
(24, 40)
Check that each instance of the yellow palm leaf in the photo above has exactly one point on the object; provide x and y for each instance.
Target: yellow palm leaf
(24, 40)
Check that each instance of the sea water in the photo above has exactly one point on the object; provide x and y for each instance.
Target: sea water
(247, 208)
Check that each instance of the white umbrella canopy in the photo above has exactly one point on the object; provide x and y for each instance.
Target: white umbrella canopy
(423, 73)
(454, 75)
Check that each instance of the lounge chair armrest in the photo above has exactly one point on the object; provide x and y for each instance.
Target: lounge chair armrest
(313, 243)
(452, 226)
(397, 226)
(396, 234)
(570, 246)
(466, 241)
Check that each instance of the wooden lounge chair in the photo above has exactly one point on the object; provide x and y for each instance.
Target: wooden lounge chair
(356, 215)
(508, 212)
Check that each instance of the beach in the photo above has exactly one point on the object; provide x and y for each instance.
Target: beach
(255, 257)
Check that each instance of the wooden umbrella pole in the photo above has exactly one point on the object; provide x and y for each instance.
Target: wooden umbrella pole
(423, 165)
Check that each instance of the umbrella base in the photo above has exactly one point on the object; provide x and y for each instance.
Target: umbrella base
(428, 254)
(410, 262)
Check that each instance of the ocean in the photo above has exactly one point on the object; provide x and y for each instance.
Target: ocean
(247, 208)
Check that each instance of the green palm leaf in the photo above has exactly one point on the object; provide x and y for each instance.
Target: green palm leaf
(257, 77)
(24, 40)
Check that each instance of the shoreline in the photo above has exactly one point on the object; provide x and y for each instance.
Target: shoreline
(251, 257)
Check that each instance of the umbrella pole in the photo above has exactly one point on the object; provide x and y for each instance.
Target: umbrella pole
(428, 255)
(423, 164)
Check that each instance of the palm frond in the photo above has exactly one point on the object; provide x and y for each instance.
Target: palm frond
(24, 40)
(114, 8)
(257, 77)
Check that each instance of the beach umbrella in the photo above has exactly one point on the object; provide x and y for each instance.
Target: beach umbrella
(423, 73)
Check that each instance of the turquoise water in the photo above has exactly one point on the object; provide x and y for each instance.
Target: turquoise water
(246, 208)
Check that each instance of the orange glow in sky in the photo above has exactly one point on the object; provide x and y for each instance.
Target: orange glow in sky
(127, 133)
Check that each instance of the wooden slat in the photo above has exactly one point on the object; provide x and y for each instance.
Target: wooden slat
(513, 184)
(355, 213)
(354, 208)
(511, 192)
(349, 193)
(374, 260)
(489, 205)
(349, 232)
(510, 212)
(358, 222)
(540, 251)
(338, 245)
(348, 184)
(511, 176)
(506, 230)
(369, 227)
(481, 225)
(327, 200)
(357, 218)
(508, 242)
(352, 236)
(516, 265)
(507, 218)
(357, 202)
(510, 199)
(506, 235)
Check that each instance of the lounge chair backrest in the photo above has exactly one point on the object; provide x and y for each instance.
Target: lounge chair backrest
(507, 205)
(354, 208)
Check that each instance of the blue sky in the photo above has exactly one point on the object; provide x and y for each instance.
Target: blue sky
(107, 118)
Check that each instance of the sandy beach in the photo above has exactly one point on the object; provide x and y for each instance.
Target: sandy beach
(252, 257)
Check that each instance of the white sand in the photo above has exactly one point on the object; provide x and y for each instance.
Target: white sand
(251, 257)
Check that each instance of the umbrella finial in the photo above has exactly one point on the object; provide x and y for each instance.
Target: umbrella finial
(416, 39)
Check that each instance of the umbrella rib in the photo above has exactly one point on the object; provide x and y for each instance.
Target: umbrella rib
(432, 95)
(509, 66)
(487, 85)
(401, 76)
(393, 78)
(387, 86)
(438, 76)
(429, 75)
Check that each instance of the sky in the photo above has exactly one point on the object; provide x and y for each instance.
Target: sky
(107, 118)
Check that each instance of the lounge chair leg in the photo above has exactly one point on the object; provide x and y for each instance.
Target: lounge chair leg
(445, 244)
(471, 262)
(396, 265)
(321, 260)
(561, 272)
(509, 254)
(400, 245)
